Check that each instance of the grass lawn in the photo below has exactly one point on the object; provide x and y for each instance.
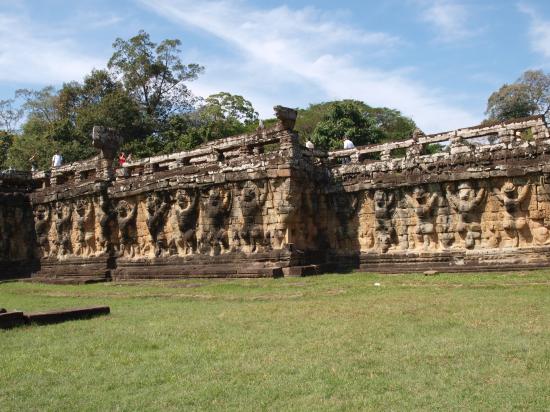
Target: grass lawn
(332, 342)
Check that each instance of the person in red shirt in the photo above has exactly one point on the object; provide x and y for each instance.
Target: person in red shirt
(121, 159)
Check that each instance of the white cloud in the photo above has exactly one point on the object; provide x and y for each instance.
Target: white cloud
(313, 50)
(449, 18)
(539, 31)
(29, 54)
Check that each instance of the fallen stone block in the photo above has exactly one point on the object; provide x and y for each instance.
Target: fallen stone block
(12, 319)
(56, 316)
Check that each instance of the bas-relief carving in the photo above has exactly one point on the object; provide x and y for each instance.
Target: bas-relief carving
(423, 203)
(514, 218)
(157, 207)
(106, 216)
(287, 202)
(466, 206)
(41, 228)
(215, 210)
(383, 208)
(251, 234)
(424, 218)
(429, 220)
(126, 218)
(85, 226)
(63, 227)
(186, 215)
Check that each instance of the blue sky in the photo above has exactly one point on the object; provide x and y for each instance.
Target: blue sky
(435, 60)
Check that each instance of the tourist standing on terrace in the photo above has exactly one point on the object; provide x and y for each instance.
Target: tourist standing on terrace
(57, 159)
(309, 144)
(121, 159)
(348, 144)
(32, 161)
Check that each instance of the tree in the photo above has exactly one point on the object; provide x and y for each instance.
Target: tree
(31, 142)
(224, 114)
(348, 118)
(9, 115)
(154, 76)
(227, 106)
(529, 95)
(392, 124)
(309, 118)
(6, 140)
(538, 87)
(384, 124)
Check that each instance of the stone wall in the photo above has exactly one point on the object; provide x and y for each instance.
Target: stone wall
(263, 205)
(17, 232)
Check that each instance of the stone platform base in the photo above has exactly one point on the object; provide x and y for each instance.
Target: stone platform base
(484, 260)
(231, 265)
(74, 270)
(287, 263)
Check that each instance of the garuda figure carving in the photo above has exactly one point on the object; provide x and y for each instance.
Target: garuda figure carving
(423, 205)
(85, 227)
(252, 200)
(287, 202)
(157, 208)
(126, 219)
(63, 226)
(216, 207)
(402, 222)
(443, 223)
(41, 228)
(383, 205)
(106, 215)
(514, 220)
(186, 215)
(465, 204)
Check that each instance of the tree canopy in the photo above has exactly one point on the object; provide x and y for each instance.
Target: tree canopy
(154, 75)
(325, 124)
(143, 94)
(527, 96)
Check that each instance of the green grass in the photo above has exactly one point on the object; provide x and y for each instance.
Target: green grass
(333, 342)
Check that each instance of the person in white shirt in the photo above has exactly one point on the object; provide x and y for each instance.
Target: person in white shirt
(348, 144)
(309, 144)
(57, 159)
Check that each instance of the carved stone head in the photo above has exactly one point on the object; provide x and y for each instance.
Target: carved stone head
(183, 198)
(153, 202)
(509, 189)
(248, 193)
(81, 206)
(214, 198)
(59, 209)
(419, 192)
(123, 208)
(382, 199)
(40, 212)
(465, 191)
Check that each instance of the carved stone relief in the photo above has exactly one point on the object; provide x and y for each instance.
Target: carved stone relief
(215, 206)
(186, 214)
(63, 228)
(126, 219)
